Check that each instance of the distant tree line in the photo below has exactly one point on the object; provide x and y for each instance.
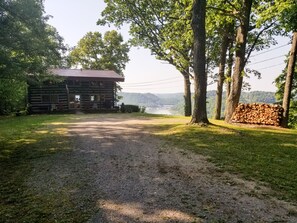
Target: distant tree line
(175, 100)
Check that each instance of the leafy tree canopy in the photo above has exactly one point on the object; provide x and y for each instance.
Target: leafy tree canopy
(108, 52)
(28, 45)
(159, 25)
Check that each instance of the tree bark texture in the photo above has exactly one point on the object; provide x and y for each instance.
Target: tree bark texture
(199, 115)
(289, 81)
(241, 40)
(187, 94)
(229, 69)
(219, 92)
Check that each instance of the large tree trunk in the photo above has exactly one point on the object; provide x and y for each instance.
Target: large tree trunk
(187, 94)
(218, 105)
(198, 25)
(241, 39)
(289, 81)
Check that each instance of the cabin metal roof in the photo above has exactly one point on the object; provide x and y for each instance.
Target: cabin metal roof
(80, 73)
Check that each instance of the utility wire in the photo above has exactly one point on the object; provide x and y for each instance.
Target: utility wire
(270, 50)
(264, 68)
(148, 86)
(156, 81)
(267, 60)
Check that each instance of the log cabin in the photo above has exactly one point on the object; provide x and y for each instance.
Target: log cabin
(79, 90)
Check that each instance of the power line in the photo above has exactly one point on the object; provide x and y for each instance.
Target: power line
(264, 68)
(154, 83)
(270, 50)
(150, 87)
(150, 82)
(268, 59)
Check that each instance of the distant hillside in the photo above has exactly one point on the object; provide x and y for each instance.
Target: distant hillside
(176, 100)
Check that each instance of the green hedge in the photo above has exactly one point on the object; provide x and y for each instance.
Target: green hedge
(130, 108)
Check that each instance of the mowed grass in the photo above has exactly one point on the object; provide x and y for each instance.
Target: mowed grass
(23, 140)
(267, 155)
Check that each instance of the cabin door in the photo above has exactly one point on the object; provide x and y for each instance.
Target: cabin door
(74, 101)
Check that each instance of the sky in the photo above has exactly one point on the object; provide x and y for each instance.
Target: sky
(144, 73)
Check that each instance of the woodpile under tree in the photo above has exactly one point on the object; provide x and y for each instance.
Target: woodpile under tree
(260, 114)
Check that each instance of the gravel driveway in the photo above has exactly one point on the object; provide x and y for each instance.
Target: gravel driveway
(121, 172)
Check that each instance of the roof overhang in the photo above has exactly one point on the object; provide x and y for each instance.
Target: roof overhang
(88, 74)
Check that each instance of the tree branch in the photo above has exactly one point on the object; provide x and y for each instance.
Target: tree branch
(256, 40)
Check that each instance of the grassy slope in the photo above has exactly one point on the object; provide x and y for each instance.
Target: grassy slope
(268, 155)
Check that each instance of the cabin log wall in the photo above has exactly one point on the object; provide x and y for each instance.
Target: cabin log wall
(61, 96)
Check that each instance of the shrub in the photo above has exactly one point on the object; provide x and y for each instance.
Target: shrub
(129, 108)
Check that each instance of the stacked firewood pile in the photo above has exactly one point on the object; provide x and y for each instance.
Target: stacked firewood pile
(261, 114)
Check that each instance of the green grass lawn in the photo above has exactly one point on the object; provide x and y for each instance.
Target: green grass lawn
(267, 155)
(23, 139)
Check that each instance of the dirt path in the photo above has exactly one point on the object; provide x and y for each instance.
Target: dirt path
(117, 168)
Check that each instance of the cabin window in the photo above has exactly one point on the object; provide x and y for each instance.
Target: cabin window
(77, 98)
(94, 98)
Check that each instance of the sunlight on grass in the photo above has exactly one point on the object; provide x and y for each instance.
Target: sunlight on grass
(42, 132)
(291, 145)
(24, 141)
(266, 154)
(57, 123)
(60, 131)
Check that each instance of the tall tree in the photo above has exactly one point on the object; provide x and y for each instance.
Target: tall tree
(28, 44)
(240, 48)
(158, 25)
(226, 40)
(289, 81)
(288, 20)
(28, 47)
(199, 61)
(285, 14)
(102, 53)
(280, 83)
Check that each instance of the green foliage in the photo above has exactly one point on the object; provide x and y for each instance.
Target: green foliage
(161, 26)
(283, 13)
(268, 156)
(28, 47)
(130, 108)
(101, 53)
(12, 96)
